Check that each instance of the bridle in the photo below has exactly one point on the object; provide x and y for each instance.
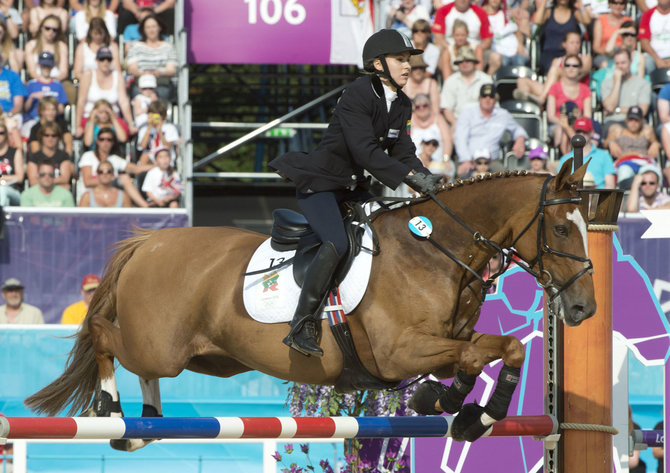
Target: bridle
(543, 247)
(542, 276)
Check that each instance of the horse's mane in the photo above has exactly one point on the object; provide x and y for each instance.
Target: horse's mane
(454, 184)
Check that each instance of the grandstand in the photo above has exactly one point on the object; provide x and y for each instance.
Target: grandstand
(247, 88)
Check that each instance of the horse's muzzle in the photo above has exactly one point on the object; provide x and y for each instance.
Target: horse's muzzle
(578, 311)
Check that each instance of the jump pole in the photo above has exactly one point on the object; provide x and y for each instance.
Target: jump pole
(586, 353)
(257, 427)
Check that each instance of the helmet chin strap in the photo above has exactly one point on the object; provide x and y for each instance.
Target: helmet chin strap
(386, 74)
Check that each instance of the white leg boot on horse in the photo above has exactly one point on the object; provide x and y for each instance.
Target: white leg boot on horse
(306, 322)
(473, 421)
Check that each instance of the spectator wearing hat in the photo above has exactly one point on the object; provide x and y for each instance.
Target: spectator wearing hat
(568, 88)
(622, 91)
(85, 56)
(42, 86)
(483, 125)
(645, 191)
(15, 311)
(147, 93)
(459, 39)
(632, 146)
(46, 193)
(420, 83)
(107, 83)
(481, 162)
(600, 165)
(429, 150)
(462, 88)
(74, 314)
(537, 158)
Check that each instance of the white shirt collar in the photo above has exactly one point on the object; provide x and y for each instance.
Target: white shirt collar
(390, 96)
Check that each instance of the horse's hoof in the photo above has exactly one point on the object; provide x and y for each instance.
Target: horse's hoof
(467, 425)
(129, 445)
(426, 395)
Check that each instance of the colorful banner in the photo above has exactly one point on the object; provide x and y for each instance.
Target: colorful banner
(277, 31)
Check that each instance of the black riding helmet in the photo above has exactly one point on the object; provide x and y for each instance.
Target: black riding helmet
(383, 42)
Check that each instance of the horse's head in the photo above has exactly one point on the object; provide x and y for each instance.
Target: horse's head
(555, 247)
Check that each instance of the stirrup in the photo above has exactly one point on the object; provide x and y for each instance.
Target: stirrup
(309, 345)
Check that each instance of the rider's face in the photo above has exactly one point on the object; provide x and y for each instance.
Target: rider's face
(399, 67)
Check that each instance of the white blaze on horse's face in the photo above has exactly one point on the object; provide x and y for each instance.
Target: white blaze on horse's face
(576, 217)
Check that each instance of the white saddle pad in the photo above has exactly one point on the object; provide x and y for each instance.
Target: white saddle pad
(272, 297)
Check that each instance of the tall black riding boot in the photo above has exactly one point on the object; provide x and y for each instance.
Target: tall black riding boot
(305, 324)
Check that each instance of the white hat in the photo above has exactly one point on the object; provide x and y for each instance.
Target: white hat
(147, 81)
(650, 168)
(481, 153)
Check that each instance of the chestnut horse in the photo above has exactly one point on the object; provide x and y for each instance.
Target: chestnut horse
(171, 299)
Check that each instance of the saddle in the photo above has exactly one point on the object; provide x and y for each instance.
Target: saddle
(291, 231)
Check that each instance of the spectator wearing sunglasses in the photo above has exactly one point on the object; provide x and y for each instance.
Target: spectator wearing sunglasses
(46, 193)
(428, 125)
(645, 192)
(105, 194)
(483, 125)
(421, 40)
(106, 149)
(106, 83)
(49, 138)
(49, 38)
(47, 110)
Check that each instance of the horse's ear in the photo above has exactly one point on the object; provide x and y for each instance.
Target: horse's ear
(566, 180)
(561, 180)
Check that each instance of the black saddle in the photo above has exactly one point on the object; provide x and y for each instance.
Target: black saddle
(291, 231)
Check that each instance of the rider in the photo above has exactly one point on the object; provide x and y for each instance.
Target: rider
(369, 130)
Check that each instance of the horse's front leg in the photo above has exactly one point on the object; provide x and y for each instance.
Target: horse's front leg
(433, 397)
(474, 420)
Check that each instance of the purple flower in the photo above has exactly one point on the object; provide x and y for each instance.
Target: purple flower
(276, 456)
(304, 448)
(288, 448)
(325, 466)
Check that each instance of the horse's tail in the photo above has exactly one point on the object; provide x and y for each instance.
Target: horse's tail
(80, 380)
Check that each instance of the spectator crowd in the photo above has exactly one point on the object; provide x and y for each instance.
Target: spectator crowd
(506, 85)
(82, 125)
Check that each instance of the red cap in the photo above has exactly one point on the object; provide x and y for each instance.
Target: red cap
(90, 281)
(583, 124)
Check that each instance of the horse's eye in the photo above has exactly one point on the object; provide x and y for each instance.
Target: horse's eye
(561, 230)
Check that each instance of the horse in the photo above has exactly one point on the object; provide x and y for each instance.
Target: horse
(171, 299)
